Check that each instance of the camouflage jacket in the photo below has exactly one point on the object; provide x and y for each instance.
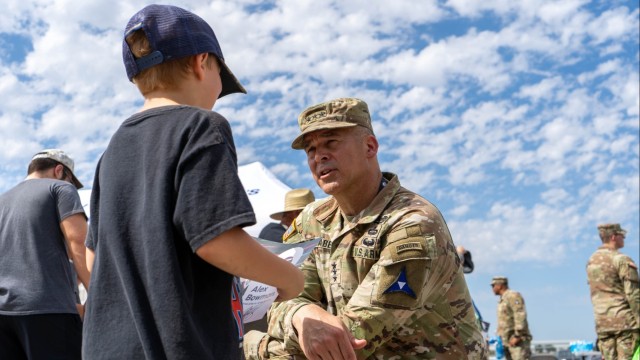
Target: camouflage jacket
(391, 274)
(613, 281)
(512, 316)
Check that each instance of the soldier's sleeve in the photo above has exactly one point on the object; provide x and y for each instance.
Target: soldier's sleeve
(628, 272)
(416, 266)
(516, 302)
(280, 314)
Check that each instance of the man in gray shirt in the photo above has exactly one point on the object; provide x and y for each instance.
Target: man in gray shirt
(42, 226)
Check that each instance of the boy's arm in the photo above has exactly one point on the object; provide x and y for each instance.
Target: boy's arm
(237, 253)
(90, 257)
(74, 229)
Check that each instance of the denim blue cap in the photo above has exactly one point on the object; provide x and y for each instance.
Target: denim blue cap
(175, 33)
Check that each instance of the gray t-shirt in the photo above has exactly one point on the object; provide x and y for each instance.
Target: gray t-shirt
(36, 276)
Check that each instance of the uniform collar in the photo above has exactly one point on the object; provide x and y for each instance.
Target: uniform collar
(328, 209)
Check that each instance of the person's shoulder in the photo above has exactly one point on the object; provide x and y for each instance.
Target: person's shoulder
(318, 209)
(514, 297)
(623, 259)
(269, 227)
(410, 203)
(54, 185)
(602, 254)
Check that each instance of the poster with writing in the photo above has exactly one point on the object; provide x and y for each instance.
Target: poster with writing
(258, 297)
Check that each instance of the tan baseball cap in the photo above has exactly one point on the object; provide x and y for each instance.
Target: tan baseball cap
(338, 113)
(295, 199)
(61, 157)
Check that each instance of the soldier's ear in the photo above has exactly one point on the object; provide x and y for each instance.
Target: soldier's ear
(372, 146)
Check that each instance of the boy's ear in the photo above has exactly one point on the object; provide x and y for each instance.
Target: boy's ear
(198, 64)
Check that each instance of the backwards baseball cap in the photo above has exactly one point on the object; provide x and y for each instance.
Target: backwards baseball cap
(611, 229)
(499, 280)
(61, 157)
(174, 33)
(338, 113)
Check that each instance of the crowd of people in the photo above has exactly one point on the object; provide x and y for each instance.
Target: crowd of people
(162, 254)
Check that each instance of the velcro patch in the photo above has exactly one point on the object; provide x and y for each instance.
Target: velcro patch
(401, 285)
(324, 244)
(365, 253)
(408, 246)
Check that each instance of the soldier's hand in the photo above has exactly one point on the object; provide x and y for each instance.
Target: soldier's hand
(324, 336)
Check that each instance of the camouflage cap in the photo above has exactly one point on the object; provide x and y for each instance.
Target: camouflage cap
(61, 157)
(338, 113)
(499, 280)
(611, 229)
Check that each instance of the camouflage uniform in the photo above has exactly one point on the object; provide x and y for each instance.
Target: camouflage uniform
(613, 281)
(512, 321)
(391, 274)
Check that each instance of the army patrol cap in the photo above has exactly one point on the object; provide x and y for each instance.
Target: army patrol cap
(338, 113)
(499, 280)
(611, 229)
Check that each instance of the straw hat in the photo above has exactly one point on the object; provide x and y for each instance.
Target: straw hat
(295, 199)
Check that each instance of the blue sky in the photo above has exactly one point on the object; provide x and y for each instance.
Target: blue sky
(518, 119)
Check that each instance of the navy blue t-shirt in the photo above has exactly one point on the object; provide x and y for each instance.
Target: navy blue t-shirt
(167, 184)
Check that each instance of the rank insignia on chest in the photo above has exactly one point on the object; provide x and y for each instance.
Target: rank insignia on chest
(401, 285)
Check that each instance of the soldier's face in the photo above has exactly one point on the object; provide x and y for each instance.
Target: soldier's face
(336, 158)
(619, 240)
(496, 288)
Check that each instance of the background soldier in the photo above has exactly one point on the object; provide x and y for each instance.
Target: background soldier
(613, 281)
(385, 281)
(294, 201)
(512, 320)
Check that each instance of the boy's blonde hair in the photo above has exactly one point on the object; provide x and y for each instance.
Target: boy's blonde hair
(163, 76)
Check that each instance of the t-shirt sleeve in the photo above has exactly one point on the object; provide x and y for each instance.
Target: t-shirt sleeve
(210, 198)
(68, 200)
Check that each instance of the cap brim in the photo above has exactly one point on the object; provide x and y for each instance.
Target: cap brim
(277, 216)
(230, 83)
(76, 182)
(298, 142)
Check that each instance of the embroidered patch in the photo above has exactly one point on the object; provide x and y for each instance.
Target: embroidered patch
(365, 253)
(401, 285)
(324, 244)
(290, 231)
(408, 246)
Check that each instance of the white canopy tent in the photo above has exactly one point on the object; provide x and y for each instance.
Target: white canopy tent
(265, 191)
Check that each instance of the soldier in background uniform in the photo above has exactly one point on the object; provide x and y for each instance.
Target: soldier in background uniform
(385, 280)
(613, 281)
(512, 320)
